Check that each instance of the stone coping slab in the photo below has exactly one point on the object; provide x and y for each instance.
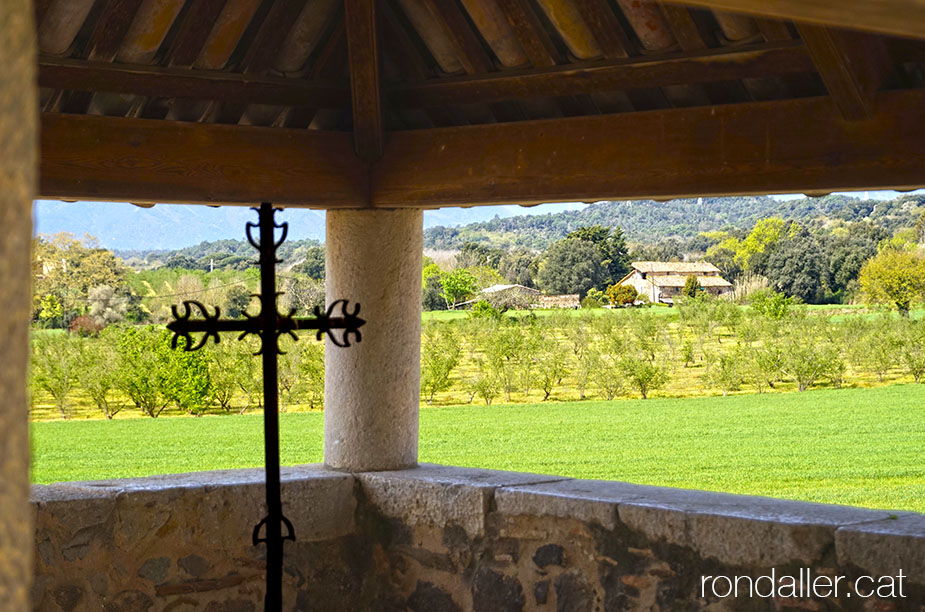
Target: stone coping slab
(736, 529)
(884, 546)
(212, 478)
(440, 494)
(321, 503)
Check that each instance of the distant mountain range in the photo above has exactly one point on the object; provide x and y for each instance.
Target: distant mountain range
(122, 226)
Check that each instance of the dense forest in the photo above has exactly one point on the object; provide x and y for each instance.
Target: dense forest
(647, 222)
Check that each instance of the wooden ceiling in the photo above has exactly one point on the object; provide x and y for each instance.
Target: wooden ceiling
(427, 103)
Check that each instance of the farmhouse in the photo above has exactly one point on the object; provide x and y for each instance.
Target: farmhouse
(375, 111)
(662, 281)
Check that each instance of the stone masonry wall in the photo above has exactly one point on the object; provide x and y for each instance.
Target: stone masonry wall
(445, 539)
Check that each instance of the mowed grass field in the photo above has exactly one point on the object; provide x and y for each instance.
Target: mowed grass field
(863, 447)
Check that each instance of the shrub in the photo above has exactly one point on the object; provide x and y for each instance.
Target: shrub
(85, 326)
(691, 287)
(622, 295)
(484, 310)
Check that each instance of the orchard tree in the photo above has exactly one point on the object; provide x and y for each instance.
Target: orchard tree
(770, 304)
(96, 375)
(572, 266)
(895, 278)
(440, 354)
(56, 360)
(222, 372)
(643, 375)
(140, 369)
(311, 365)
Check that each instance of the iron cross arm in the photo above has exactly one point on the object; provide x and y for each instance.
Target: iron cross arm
(210, 325)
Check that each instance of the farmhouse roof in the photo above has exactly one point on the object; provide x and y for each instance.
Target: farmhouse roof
(497, 288)
(678, 280)
(675, 267)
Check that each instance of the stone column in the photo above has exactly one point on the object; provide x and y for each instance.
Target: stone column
(18, 161)
(372, 388)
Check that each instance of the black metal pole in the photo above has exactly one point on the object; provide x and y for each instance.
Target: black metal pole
(274, 597)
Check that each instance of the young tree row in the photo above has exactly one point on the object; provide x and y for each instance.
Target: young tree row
(136, 366)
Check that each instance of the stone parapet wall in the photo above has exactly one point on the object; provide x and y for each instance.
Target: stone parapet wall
(438, 539)
(183, 543)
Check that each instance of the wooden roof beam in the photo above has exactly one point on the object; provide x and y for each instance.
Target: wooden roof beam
(153, 81)
(852, 66)
(900, 17)
(363, 57)
(107, 158)
(755, 148)
(594, 77)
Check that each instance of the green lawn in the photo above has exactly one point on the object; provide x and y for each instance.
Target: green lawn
(863, 447)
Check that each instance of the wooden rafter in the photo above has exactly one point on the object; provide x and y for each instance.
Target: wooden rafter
(594, 77)
(764, 147)
(265, 47)
(111, 27)
(773, 30)
(529, 30)
(684, 27)
(153, 81)
(400, 45)
(363, 58)
(902, 17)
(194, 31)
(852, 66)
(41, 8)
(465, 42)
(606, 28)
(121, 159)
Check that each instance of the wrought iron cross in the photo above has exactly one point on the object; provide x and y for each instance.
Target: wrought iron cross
(269, 325)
